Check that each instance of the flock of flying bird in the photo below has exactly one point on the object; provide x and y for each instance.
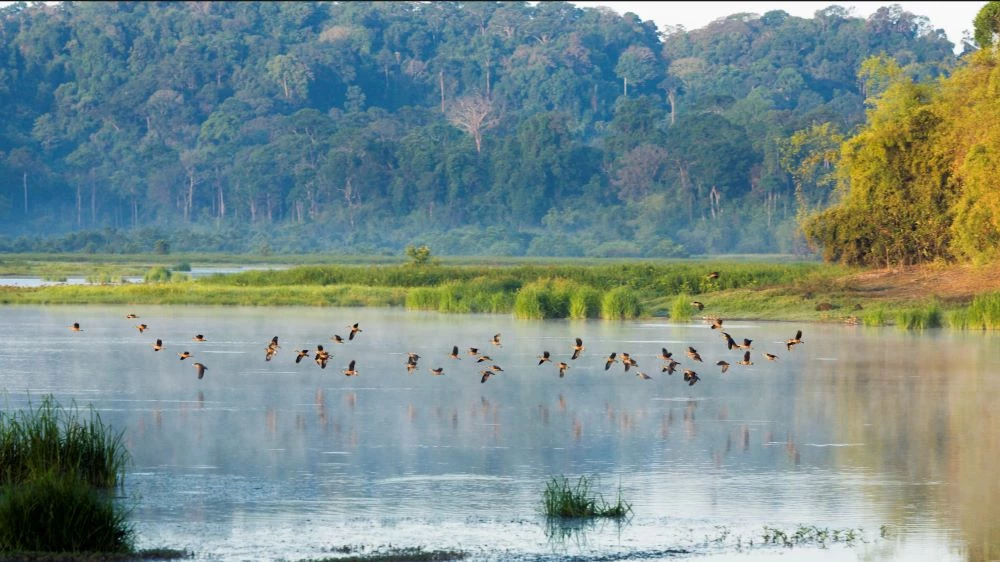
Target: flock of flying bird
(321, 356)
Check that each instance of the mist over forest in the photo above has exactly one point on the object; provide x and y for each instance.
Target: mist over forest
(484, 128)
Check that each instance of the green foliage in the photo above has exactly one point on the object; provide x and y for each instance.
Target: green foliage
(157, 274)
(584, 302)
(620, 303)
(681, 310)
(983, 313)
(59, 512)
(53, 438)
(182, 266)
(566, 500)
(986, 26)
(919, 318)
(161, 247)
(419, 256)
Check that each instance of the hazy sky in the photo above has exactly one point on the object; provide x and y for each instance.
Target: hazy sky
(952, 17)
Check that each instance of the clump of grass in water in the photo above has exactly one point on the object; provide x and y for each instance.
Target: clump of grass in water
(681, 310)
(620, 303)
(561, 499)
(36, 441)
(811, 534)
(928, 316)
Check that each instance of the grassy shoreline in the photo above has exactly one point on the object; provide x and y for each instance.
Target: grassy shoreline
(535, 289)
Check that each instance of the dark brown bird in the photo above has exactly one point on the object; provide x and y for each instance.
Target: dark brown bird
(200, 369)
(664, 354)
(745, 344)
(486, 375)
(691, 377)
(577, 348)
(716, 323)
(793, 341)
(770, 356)
(473, 351)
(724, 365)
(184, 355)
(670, 367)
(131, 315)
(454, 353)
(337, 339)
(76, 327)
(713, 275)
(698, 304)
(611, 359)
(437, 371)
(562, 369)
(627, 361)
(301, 353)
(484, 358)
(321, 356)
(141, 328)
(497, 368)
(730, 342)
(496, 340)
(544, 357)
(158, 345)
(693, 354)
(746, 359)
(199, 337)
(355, 330)
(269, 352)
(350, 371)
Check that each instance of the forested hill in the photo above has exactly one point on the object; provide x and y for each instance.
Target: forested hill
(476, 128)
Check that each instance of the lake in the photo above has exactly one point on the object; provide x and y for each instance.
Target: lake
(893, 435)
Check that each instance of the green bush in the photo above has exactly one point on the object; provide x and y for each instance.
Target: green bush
(157, 274)
(681, 310)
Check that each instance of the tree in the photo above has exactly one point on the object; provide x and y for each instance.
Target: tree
(291, 74)
(986, 26)
(474, 114)
(637, 65)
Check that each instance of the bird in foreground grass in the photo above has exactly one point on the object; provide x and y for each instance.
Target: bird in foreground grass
(698, 304)
(713, 275)
(200, 369)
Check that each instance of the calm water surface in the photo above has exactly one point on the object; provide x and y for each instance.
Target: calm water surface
(855, 428)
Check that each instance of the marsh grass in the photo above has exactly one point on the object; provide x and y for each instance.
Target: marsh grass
(60, 512)
(50, 437)
(875, 317)
(620, 303)
(983, 313)
(919, 318)
(565, 500)
(812, 535)
(681, 309)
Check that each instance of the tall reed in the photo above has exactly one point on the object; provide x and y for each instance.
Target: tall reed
(620, 303)
(562, 499)
(983, 313)
(681, 309)
(51, 437)
(919, 318)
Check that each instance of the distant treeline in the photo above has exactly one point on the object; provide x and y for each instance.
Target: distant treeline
(502, 128)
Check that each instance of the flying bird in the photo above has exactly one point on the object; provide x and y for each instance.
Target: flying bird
(321, 356)
(611, 359)
(746, 359)
(497, 368)
(691, 377)
(730, 342)
(200, 369)
(484, 358)
(199, 337)
(350, 371)
(184, 355)
(336, 338)
(76, 327)
(158, 345)
(670, 367)
(642, 375)
(544, 357)
(627, 361)
(562, 369)
(354, 331)
(770, 356)
(745, 345)
(724, 365)
(131, 315)
(716, 323)
(664, 354)
(793, 341)
(141, 327)
(496, 340)
(437, 371)
(698, 304)
(693, 353)
(302, 353)
(577, 348)
(454, 353)
(486, 375)
(473, 351)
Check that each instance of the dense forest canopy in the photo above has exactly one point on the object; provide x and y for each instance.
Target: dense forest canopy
(507, 128)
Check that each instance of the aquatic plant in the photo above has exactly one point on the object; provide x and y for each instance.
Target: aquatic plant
(681, 309)
(50, 437)
(60, 512)
(562, 499)
(983, 313)
(919, 318)
(620, 303)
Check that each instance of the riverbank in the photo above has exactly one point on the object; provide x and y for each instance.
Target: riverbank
(682, 290)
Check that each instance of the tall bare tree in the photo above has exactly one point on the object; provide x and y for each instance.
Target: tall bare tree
(474, 114)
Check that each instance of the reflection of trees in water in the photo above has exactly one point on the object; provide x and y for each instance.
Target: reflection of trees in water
(926, 413)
